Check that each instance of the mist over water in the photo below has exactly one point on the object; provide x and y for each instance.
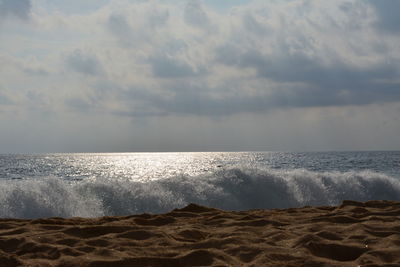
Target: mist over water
(91, 185)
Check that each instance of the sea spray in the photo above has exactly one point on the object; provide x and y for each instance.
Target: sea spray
(230, 189)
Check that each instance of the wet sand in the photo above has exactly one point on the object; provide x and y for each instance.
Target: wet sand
(352, 234)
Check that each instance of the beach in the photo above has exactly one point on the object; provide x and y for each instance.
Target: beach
(351, 234)
(199, 133)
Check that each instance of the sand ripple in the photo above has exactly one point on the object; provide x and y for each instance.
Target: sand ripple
(353, 234)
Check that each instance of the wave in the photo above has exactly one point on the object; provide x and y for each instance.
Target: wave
(229, 189)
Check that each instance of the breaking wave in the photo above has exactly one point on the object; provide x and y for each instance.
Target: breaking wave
(230, 189)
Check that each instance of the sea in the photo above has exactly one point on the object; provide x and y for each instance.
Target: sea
(109, 184)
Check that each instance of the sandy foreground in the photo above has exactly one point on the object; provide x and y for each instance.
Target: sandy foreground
(353, 234)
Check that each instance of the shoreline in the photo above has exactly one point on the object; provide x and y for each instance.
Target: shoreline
(351, 234)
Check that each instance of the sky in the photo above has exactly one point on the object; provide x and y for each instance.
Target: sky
(199, 75)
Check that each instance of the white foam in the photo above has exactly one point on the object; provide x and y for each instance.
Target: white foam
(232, 189)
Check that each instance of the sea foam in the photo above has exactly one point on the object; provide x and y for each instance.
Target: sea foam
(230, 189)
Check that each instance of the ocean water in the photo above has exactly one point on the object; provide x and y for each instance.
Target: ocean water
(91, 185)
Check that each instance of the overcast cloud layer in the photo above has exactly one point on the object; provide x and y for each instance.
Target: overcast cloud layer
(197, 75)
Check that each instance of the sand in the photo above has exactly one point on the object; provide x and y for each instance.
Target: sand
(353, 234)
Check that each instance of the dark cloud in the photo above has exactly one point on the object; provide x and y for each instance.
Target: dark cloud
(169, 67)
(36, 71)
(35, 98)
(138, 113)
(120, 28)
(388, 14)
(206, 105)
(195, 102)
(75, 6)
(158, 18)
(300, 81)
(77, 103)
(4, 99)
(294, 68)
(140, 31)
(83, 63)
(17, 8)
(300, 76)
(195, 15)
(187, 98)
(251, 24)
(322, 85)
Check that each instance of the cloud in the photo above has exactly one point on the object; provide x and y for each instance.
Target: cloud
(16, 8)
(388, 15)
(36, 71)
(158, 17)
(170, 67)
(84, 63)
(259, 56)
(184, 74)
(195, 15)
(333, 84)
(4, 99)
(137, 24)
(77, 103)
(120, 28)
